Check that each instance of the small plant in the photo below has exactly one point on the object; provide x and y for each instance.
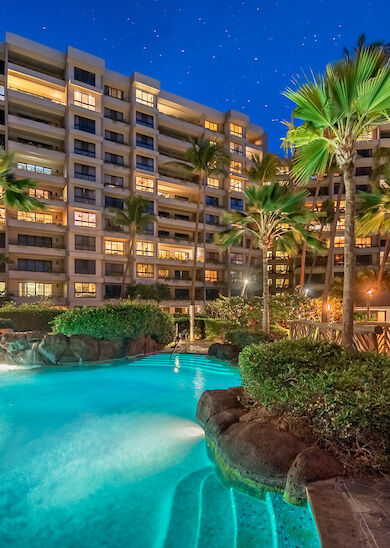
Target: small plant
(243, 338)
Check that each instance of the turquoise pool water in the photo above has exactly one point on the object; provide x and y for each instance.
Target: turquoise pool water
(110, 456)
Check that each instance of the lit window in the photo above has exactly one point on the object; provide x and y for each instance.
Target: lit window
(2, 289)
(182, 255)
(2, 214)
(163, 273)
(163, 254)
(212, 126)
(34, 168)
(341, 223)
(39, 193)
(366, 135)
(1, 93)
(282, 282)
(112, 247)
(363, 242)
(269, 254)
(144, 184)
(145, 249)
(33, 217)
(113, 92)
(211, 275)
(212, 182)
(235, 130)
(237, 185)
(88, 220)
(237, 258)
(82, 289)
(269, 281)
(34, 289)
(281, 268)
(235, 277)
(145, 270)
(338, 241)
(144, 98)
(236, 166)
(84, 100)
(236, 148)
(281, 255)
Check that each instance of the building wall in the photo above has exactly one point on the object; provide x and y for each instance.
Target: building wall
(90, 138)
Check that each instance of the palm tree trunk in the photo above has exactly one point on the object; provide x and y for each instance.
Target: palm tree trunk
(193, 280)
(349, 254)
(383, 263)
(265, 290)
(330, 259)
(204, 242)
(129, 264)
(304, 246)
(248, 267)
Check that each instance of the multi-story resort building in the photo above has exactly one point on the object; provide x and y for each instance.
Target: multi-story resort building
(369, 250)
(90, 138)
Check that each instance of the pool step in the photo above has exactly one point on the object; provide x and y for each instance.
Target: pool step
(188, 361)
(253, 523)
(291, 525)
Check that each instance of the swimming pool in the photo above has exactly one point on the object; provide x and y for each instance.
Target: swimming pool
(110, 456)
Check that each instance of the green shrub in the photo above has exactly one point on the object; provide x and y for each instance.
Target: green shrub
(244, 338)
(342, 396)
(29, 317)
(184, 324)
(119, 321)
(216, 328)
(7, 324)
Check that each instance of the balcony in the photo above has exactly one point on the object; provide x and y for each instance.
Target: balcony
(24, 122)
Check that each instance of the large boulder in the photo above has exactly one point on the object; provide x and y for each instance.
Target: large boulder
(15, 342)
(221, 421)
(311, 464)
(136, 346)
(213, 402)
(225, 352)
(259, 452)
(54, 348)
(83, 348)
(111, 350)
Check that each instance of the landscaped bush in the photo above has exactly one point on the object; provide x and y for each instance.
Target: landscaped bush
(30, 317)
(7, 324)
(342, 397)
(119, 321)
(216, 328)
(243, 338)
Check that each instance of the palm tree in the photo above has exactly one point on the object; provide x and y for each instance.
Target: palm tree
(203, 160)
(336, 109)
(135, 218)
(15, 192)
(365, 280)
(361, 44)
(276, 217)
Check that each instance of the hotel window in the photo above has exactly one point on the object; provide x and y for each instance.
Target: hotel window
(84, 243)
(163, 254)
(212, 182)
(84, 100)
(82, 289)
(144, 184)
(236, 258)
(212, 126)
(110, 201)
(235, 277)
(281, 255)
(84, 266)
(366, 135)
(113, 269)
(145, 248)
(144, 141)
(236, 148)
(2, 90)
(87, 173)
(85, 76)
(112, 291)
(84, 195)
(146, 163)
(114, 115)
(34, 289)
(113, 92)
(116, 159)
(182, 255)
(211, 276)
(236, 167)
(209, 237)
(340, 223)
(33, 217)
(111, 247)
(163, 273)
(282, 282)
(113, 181)
(237, 185)
(144, 119)
(144, 98)
(34, 265)
(363, 242)
(212, 201)
(84, 148)
(84, 124)
(114, 137)
(237, 203)
(236, 130)
(211, 219)
(33, 168)
(338, 241)
(2, 289)
(145, 270)
(39, 193)
(281, 268)
(87, 220)
(32, 240)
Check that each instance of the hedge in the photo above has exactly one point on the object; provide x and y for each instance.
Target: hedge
(117, 321)
(243, 338)
(30, 318)
(342, 397)
(215, 328)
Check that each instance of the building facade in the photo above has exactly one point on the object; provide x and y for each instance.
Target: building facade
(90, 138)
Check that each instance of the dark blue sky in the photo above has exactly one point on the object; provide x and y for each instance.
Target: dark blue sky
(226, 54)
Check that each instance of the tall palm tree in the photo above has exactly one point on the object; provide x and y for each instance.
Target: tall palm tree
(276, 218)
(361, 43)
(203, 160)
(15, 192)
(366, 279)
(336, 109)
(135, 218)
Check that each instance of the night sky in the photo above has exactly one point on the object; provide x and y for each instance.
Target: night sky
(226, 54)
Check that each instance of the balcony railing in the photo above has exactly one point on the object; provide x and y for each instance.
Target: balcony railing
(37, 244)
(37, 144)
(51, 99)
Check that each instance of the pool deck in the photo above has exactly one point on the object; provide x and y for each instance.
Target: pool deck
(352, 512)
